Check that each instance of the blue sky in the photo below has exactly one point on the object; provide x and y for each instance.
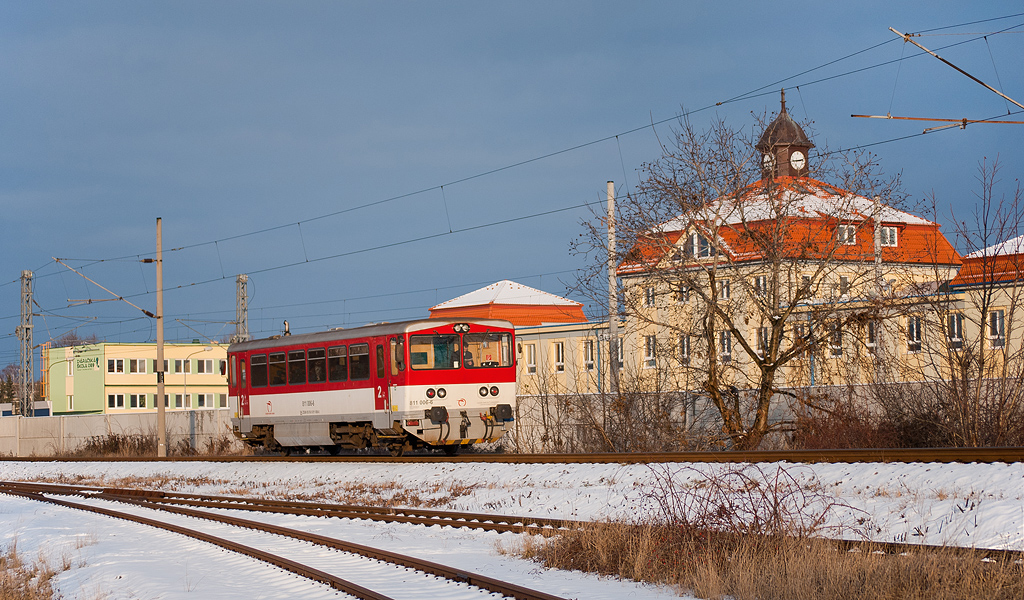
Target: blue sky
(229, 118)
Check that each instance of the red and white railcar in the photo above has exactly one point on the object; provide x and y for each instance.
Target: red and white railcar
(438, 383)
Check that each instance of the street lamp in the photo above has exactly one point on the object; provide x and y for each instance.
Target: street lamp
(184, 392)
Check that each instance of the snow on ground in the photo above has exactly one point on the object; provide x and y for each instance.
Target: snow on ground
(980, 505)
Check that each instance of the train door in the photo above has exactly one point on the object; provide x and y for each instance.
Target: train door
(243, 389)
(381, 387)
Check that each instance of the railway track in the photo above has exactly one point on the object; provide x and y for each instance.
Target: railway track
(882, 455)
(45, 493)
(174, 501)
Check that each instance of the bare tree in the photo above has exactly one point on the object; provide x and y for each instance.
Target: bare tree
(963, 342)
(758, 273)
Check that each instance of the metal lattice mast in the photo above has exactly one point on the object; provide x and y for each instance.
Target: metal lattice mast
(241, 308)
(26, 391)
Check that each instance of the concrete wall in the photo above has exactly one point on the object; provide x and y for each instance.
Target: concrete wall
(53, 436)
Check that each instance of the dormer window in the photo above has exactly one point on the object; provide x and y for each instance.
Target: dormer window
(888, 236)
(846, 235)
(699, 246)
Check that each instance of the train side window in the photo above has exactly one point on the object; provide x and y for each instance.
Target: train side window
(380, 360)
(241, 365)
(296, 367)
(337, 363)
(278, 369)
(397, 355)
(359, 361)
(259, 370)
(317, 365)
(233, 373)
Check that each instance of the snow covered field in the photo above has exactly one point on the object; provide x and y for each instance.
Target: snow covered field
(979, 505)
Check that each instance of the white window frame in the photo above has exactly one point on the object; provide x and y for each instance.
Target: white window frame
(846, 235)
(531, 358)
(179, 401)
(115, 400)
(871, 336)
(201, 400)
(890, 237)
(649, 296)
(222, 400)
(762, 341)
(799, 332)
(71, 402)
(682, 294)
(137, 365)
(844, 286)
(588, 354)
(558, 354)
(650, 351)
(997, 328)
(725, 346)
(204, 365)
(723, 289)
(760, 285)
(914, 334)
(955, 330)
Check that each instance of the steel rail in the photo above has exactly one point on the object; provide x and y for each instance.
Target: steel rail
(883, 455)
(481, 581)
(292, 566)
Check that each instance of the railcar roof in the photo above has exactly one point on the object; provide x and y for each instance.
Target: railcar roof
(377, 329)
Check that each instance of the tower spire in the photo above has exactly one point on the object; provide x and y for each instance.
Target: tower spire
(783, 100)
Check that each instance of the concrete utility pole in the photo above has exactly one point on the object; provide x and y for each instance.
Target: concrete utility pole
(241, 308)
(26, 389)
(613, 296)
(161, 413)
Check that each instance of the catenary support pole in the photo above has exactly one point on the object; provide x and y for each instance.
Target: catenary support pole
(161, 415)
(613, 297)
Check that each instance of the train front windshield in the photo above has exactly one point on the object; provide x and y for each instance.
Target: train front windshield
(444, 351)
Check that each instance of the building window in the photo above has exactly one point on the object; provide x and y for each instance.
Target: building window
(650, 351)
(204, 365)
(201, 400)
(559, 356)
(166, 398)
(186, 365)
(997, 328)
(762, 341)
(955, 331)
(699, 246)
(178, 401)
(115, 365)
(222, 400)
(649, 296)
(723, 289)
(835, 339)
(682, 293)
(531, 358)
(684, 348)
(137, 365)
(188, 400)
(913, 334)
(71, 371)
(115, 400)
(846, 234)
(725, 346)
(799, 338)
(223, 367)
(844, 286)
(760, 285)
(805, 283)
(622, 352)
(71, 402)
(137, 401)
(871, 335)
(888, 236)
(588, 354)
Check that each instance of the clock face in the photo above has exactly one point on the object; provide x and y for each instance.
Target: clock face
(768, 161)
(797, 160)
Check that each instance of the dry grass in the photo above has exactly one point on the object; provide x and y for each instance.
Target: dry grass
(23, 580)
(749, 532)
(720, 565)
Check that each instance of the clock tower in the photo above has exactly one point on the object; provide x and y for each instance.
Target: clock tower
(784, 147)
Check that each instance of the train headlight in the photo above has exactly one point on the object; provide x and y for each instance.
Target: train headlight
(441, 393)
(483, 391)
(494, 390)
(430, 392)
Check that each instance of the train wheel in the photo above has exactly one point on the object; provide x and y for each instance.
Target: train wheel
(334, 450)
(396, 450)
(450, 449)
(286, 451)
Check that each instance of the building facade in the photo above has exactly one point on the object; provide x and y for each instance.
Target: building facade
(115, 378)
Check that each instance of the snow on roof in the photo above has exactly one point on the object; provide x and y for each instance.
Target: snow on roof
(1011, 246)
(798, 197)
(507, 292)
